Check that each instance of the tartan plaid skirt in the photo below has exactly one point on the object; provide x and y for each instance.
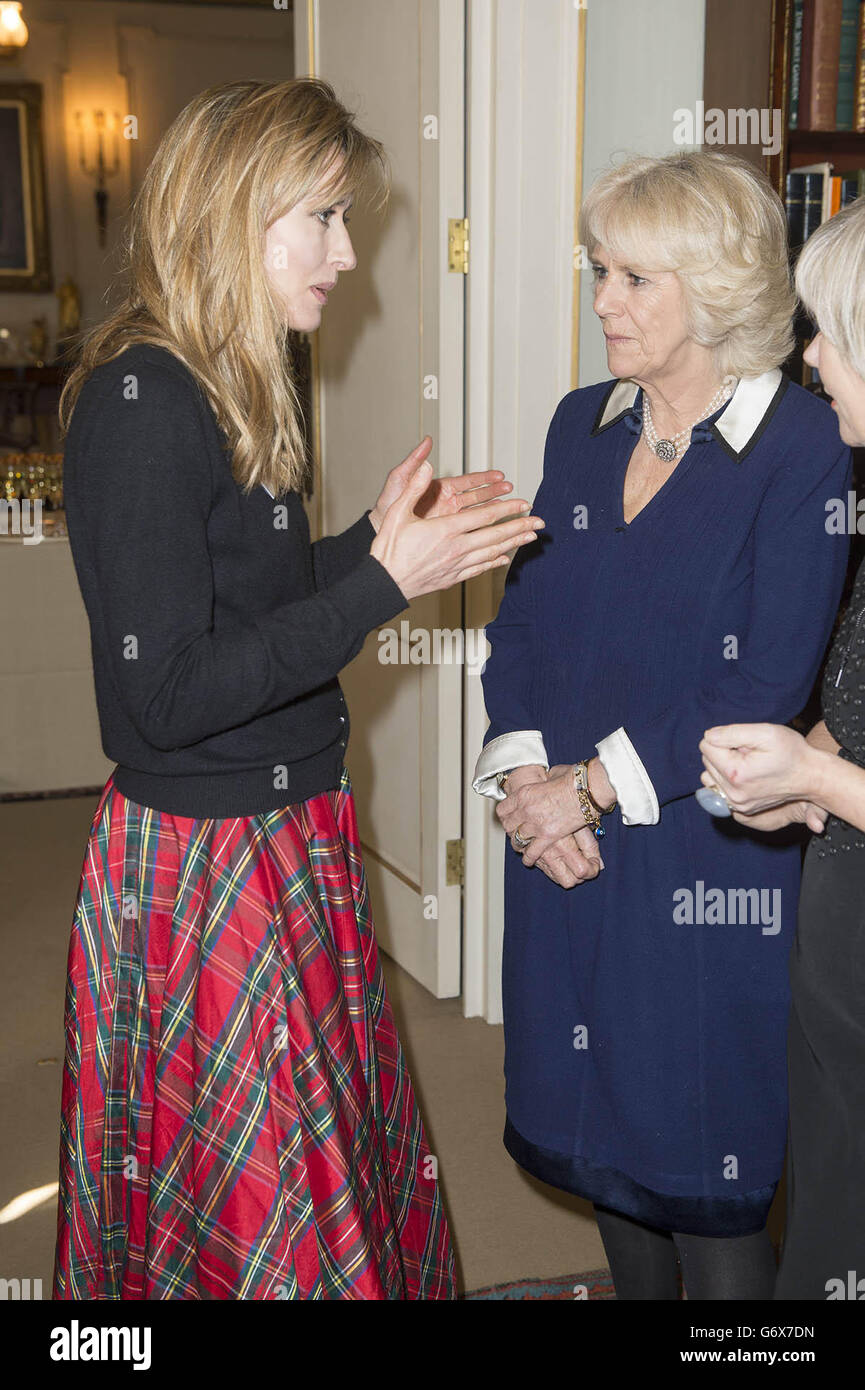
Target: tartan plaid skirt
(237, 1119)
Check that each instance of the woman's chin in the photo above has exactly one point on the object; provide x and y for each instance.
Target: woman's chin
(619, 362)
(304, 320)
(849, 435)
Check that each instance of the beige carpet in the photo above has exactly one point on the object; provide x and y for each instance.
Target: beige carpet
(505, 1225)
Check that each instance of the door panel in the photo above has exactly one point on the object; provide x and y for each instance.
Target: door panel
(390, 359)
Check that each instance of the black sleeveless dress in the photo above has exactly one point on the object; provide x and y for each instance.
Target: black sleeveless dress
(824, 1244)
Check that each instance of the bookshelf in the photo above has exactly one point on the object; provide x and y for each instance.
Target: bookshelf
(827, 32)
(817, 80)
(751, 47)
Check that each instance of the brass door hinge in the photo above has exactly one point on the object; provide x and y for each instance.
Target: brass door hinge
(458, 245)
(454, 861)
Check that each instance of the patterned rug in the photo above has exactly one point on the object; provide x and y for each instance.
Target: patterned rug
(595, 1284)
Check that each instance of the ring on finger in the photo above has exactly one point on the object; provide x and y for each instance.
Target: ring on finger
(519, 842)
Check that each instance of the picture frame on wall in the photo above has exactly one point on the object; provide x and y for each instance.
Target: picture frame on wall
(25, 249)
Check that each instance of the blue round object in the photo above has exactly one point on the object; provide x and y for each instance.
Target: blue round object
(713, 801)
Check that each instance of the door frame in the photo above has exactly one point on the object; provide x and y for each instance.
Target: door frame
(525, 108)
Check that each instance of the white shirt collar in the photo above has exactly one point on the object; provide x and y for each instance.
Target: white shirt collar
(737, 428)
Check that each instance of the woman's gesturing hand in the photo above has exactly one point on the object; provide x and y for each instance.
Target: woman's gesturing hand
(444, 496)
(788, 813)
(422, 556)
(757, 765)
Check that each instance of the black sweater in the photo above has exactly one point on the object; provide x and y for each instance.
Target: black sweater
(217, 630)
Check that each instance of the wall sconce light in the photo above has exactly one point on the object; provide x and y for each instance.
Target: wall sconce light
(99, 168)
(13, 31)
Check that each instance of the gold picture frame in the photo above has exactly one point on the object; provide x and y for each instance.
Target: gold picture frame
(25, 249)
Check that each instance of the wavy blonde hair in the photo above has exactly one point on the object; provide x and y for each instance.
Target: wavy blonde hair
(716, 222)
(237, 158)
(830, 279)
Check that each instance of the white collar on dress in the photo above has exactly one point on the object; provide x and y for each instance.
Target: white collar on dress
(737, 428)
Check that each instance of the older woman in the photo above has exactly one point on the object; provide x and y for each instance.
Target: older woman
(759, 766)
(687, 578)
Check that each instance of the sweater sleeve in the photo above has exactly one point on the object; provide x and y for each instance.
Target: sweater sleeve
(138, 505)
(333, 557)
(796, 561)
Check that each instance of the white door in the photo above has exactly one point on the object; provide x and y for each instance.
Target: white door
(525, 84)
(390, 366)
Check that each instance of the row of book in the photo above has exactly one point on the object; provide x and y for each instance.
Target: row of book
(815, 194)
(827, 65)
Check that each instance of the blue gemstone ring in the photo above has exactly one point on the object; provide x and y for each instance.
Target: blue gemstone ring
(713, 801)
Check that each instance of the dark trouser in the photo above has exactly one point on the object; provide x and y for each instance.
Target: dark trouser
(824, 1243)
(643, 1261)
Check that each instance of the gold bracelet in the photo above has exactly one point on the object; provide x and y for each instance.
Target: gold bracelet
(601, 810)
(587, 806)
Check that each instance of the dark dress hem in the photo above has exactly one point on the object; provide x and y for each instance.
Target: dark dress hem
(742, 1215)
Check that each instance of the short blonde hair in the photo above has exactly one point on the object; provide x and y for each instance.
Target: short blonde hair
(715, 221)
(830, 281)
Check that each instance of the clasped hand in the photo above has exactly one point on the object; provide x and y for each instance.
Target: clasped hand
(547, 810)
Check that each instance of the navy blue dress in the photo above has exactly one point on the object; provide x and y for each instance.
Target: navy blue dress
(646, 1011)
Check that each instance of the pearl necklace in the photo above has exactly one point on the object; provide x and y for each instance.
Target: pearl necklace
(669, 449)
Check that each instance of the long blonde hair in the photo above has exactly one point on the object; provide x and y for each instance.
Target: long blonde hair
(235, 160)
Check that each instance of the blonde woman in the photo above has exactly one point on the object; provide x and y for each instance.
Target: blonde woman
(237, 1120)
(773, 777)
(685, 577)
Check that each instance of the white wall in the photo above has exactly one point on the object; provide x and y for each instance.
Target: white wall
(148, 60)
(644, 60)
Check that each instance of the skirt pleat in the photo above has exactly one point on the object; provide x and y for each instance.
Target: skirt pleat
(236, 1118)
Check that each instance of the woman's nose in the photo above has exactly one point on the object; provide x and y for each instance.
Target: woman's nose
(343, 253)
(811, 355)
(605, 300)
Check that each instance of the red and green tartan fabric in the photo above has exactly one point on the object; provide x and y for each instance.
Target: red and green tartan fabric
(237, 1119)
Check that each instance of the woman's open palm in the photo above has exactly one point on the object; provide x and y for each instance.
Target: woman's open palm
(444, 496)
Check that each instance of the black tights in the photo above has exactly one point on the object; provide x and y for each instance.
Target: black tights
(643, 1261)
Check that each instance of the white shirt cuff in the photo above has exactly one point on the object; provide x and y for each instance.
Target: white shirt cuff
(518, 749)
(629, 779)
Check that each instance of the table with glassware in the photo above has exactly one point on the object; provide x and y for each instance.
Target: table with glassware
(50, 729)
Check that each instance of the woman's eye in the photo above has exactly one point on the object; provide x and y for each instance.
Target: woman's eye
(637, 279)
(598, 271)
(329, 213)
